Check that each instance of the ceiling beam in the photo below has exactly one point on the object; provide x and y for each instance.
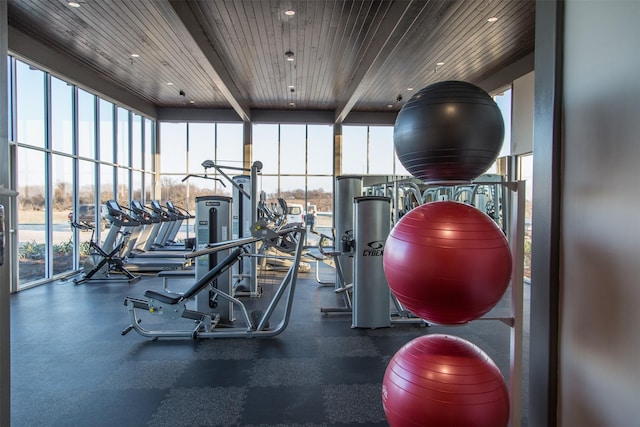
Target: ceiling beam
(399, 19)
(219, 73)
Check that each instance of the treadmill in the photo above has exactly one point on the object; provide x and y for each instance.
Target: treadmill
(125, 223)
(182, 215)
(147, 221)
(162, 232)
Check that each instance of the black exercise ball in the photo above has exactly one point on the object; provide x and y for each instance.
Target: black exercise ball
(449, 131)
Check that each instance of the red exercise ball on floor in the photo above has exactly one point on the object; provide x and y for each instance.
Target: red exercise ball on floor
(447, 262)
(444, 381)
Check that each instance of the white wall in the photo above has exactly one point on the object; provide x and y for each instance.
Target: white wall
(522, 114)
(600, 266)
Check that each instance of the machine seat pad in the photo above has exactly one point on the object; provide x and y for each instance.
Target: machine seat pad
(166, 297)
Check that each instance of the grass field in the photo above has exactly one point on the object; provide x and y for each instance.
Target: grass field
(38, 217)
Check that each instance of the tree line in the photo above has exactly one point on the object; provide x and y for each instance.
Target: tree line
(32, 198)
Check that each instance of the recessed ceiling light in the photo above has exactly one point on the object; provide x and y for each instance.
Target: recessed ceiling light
(169, 84)
(73, 4)
(492, 19)
(292, 104)
(390, 106)
(192, 102)
(289, 55)
(290, 12)
(409, 88)
(135, 55)
(439, 64)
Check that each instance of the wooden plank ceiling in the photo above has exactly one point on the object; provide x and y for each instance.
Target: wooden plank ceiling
(348, 55)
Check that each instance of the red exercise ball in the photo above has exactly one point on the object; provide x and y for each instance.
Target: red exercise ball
(447, 262)
(442, 380)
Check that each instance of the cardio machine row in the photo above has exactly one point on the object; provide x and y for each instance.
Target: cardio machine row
(151, 232)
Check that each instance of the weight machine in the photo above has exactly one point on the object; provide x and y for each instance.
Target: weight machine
(172, 307)
(244, 214)
(367, 298)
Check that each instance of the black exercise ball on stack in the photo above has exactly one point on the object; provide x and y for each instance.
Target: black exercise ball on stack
(449, 131)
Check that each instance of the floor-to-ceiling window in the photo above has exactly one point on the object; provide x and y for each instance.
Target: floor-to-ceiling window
(173, 162)
(86, 197)
(68, 142)
(60, 113)
(355, 156)
(525, 169)
(298, 168)
(86, 150)
(148, 156)
(61, 204)
(30, 112)
(183, 149)
(137, 170)
(266, 149)
(320, 174)
(292, 164)
(369, 150)
(86, 124)
(123, 147)
(31, 184)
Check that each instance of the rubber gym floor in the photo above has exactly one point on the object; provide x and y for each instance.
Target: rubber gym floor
(71, 366)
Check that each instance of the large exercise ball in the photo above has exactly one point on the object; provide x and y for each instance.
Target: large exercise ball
(444, 381)
(447, 262)
(450, 130)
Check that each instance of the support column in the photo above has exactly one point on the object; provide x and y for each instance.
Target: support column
(5, 272)
(545, 251)
(247, 144)
(337, 149)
